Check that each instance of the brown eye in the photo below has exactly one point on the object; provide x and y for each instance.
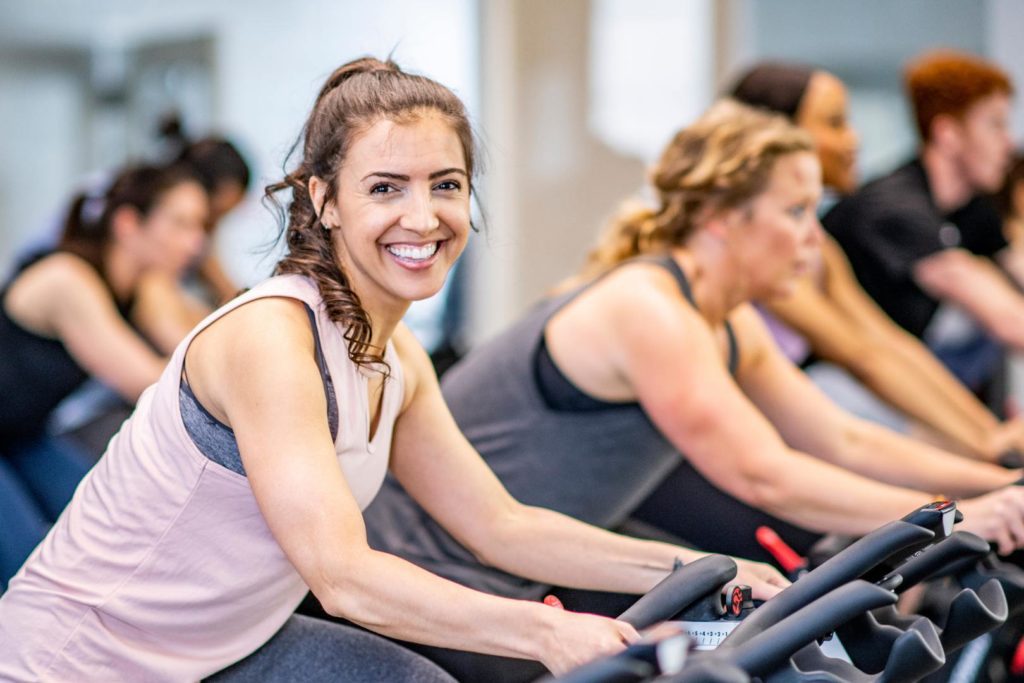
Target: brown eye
(449, 186)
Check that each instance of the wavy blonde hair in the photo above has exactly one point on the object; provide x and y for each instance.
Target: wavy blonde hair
(721, 161)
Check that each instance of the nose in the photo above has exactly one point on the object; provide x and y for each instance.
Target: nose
(852, 139)
(816, 235)
(195, 242)
(420, 215)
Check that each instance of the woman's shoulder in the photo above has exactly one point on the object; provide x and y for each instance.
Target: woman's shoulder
(56, 277)
(59, 266)
(638, 289)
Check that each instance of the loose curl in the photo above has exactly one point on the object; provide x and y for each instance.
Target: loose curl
(720, 162)
(355, 97)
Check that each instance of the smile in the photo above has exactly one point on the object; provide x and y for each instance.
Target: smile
(413, 254)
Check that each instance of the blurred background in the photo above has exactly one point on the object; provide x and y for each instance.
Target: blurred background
(572, 100)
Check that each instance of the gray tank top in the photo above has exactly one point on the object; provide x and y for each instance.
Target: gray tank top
(594, 465)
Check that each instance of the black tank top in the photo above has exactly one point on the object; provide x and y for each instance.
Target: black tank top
(36, 373)
(558, 390)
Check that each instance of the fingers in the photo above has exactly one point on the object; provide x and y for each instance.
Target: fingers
(1015, 525)
(627, 633)
(764, 590)
(998, 517)
(764, 580)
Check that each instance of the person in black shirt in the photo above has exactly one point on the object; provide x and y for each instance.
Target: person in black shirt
(67, 315)
(922, 241)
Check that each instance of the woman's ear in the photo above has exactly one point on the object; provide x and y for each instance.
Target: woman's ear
(317, 193)
(717, 222)
(125, 222)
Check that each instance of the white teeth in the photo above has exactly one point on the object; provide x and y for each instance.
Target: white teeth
(413, 253)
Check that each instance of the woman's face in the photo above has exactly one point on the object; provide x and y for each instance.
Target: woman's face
(173, 234)
(823, 114)
(401, 216)
(776, 236)
(226, 196)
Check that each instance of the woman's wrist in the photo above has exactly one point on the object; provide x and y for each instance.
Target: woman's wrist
(542, 630)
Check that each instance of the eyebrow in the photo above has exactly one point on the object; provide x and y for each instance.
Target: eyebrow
(398, 176)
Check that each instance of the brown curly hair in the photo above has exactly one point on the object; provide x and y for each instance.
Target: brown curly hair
(949, 82)
(721, 161)
(356, 96)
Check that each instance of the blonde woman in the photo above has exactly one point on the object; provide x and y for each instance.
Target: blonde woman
(586, 403)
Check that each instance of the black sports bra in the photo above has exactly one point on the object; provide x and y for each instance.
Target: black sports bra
(560, 393)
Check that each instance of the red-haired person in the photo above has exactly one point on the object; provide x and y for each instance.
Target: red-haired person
(923, 241)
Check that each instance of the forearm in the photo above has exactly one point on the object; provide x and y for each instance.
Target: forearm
(974, 426)
(904, 386)
(398, 599)
(879, 453)
(552, 548)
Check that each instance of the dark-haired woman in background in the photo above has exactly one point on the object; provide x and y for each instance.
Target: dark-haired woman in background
(64, 316)
(168, 303)
(829, 317)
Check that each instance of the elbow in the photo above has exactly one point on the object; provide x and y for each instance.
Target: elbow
(342, 592)
(500, 535)
(354, 602)
(497, 531)
(763, 488)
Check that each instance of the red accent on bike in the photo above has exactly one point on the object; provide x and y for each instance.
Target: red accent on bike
(552, 601)
(737, 600)
(1017, 663)
(783, 554)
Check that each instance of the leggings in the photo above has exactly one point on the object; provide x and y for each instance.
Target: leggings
(312, 650)
(37, 479)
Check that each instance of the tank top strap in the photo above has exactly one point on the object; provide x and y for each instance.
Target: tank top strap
(672, 266)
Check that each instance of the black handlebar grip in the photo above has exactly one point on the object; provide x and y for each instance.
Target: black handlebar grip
(771, 648)
(856, 560)
(1010, 577)
(710, 672)
(974, 613)
(608, 670)
(680, 589)
(949, 555)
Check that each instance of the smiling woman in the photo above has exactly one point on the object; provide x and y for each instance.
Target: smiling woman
(238, 484)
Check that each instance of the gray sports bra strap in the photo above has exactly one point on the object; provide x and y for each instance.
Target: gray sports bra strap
(216, 440)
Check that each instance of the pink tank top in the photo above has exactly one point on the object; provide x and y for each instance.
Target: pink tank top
(162, 567)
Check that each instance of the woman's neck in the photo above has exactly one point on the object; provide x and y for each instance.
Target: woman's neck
(715, 280)
(384, 318)
(122, 272)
